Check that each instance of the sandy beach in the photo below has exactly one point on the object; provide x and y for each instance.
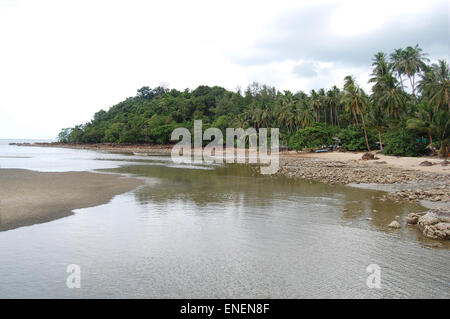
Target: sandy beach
(405, 163)
(29, 197)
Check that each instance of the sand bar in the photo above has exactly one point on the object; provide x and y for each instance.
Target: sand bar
(29, 197)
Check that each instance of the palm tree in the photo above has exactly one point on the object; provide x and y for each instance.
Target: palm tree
(435, 84)
(284, 113)
(380, 70)
(414, 62)
(303, 114)
(377, 119)
(398, 63)
(349, 86)
(332, 101)
(266, 116)
(387, 92)
(315, 103)
(390, 95)
(355, 98)
(323, 104)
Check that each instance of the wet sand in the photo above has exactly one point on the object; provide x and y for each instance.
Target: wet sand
(29, 197)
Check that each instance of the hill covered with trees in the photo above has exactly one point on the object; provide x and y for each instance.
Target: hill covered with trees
(409, 121)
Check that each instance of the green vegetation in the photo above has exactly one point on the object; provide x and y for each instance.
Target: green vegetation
(405, 120)
(353, 138)
(315, 136)
(403, 142)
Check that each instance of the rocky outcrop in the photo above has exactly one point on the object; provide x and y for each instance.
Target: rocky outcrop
(413, 218)
(359, 172)
(435, 224)
(436, 194)
(368, 157)
(426, 163)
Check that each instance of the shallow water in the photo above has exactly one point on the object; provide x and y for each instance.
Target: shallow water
(202, 231)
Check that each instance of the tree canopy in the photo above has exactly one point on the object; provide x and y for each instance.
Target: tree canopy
(422, 109)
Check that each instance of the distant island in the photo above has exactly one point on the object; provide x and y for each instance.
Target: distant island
(405, 114)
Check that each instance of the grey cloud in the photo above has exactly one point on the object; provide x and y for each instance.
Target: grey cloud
(304, 35)
(305, 69)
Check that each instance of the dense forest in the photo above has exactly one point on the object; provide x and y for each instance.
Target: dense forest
(396, 118)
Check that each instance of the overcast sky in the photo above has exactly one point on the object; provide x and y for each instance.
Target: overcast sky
(61, 61)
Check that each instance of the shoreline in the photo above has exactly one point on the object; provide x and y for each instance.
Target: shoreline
(430, 186)
(401, 177)
(53, 195)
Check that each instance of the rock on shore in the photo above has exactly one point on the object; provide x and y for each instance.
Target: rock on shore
(435, 224)
(413, 218)
(359, 172)
(436, 194)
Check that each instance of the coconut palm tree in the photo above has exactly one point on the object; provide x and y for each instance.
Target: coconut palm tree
(266, 116)
(380, 70)
(356, 99)
(349, 87)
(390, 96)
(303, 114)
(435, 84)
(284, 114)
(315, 103)
(333, 101)
(414, 62)
(398, 64)
(377, 119)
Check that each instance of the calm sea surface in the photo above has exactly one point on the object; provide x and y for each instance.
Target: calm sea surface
(213, 231)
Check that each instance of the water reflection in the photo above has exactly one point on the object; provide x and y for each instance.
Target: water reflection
(238, 186)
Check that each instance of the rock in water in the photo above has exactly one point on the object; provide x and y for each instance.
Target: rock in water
(394, 224)
(445, 163)
(413, 218)
(435, 224)
(368, 156)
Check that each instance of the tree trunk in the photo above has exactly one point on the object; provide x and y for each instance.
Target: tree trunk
(431, 142)
(448, 99)
(443, 152)
(355, 116)
(379, 139)
(331, 115)
(337, 117)
(365, 132)
(412, 87)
